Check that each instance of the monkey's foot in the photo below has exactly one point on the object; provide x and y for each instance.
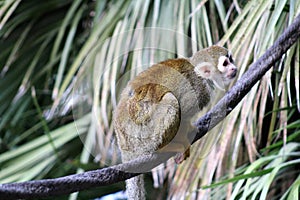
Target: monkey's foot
(180, 157)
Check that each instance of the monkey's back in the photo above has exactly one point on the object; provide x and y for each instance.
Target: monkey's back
(153, 105)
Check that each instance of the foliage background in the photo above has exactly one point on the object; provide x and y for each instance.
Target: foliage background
(53, 53)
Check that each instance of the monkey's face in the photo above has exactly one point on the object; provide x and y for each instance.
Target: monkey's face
(227, 68)
(215, 63)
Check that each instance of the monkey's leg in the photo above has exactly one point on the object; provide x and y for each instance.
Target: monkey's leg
(185, 141)
(173, 147)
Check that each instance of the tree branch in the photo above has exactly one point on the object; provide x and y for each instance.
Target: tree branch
(107, 176)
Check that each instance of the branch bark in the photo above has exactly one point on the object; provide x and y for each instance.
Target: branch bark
(107, 176)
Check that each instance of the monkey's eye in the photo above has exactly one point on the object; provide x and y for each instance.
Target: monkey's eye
(225, 63)
(229, 56)
(230, 59)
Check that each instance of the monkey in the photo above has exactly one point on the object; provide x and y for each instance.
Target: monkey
(155, 108)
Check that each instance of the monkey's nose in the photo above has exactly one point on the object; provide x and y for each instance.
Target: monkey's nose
(233, 72)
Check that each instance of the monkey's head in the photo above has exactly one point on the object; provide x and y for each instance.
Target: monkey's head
(215, 63)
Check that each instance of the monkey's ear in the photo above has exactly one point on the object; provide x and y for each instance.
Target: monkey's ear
(204, 70)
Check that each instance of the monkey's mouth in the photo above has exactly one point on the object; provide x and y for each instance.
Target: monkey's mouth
(232, 74)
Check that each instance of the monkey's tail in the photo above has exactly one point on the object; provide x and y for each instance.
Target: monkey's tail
(135, 188)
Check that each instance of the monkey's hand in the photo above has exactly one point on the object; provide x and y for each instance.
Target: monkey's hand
(180, 157)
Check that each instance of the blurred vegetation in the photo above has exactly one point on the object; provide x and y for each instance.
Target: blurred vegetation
(63, 64)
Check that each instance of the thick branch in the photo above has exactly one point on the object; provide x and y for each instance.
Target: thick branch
(101, 177)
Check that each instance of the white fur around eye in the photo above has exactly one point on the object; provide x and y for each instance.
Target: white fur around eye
(222, 59)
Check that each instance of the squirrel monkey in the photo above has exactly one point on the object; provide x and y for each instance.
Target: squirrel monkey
(155, 109)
